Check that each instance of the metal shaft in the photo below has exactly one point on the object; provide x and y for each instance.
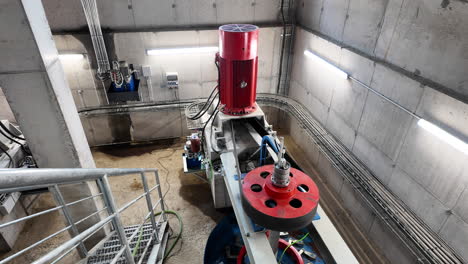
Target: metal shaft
(280, 177)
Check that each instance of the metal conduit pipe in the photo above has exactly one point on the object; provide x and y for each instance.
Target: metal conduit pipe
(348, 169)
(400, 211)
(94, 24)
(425, 244)
(321, 135)
(97, 34)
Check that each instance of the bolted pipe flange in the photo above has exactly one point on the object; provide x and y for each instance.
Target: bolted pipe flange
(280, 177)
(279, 208)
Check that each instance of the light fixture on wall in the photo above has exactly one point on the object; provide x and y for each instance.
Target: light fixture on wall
(186, 50)
(433, 129)
(444, 135)
(71, 56)
(340, 73)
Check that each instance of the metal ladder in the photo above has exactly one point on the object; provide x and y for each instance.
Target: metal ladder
(119, 244)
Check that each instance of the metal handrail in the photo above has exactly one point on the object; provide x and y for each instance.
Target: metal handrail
(25, 179)
(46, 211)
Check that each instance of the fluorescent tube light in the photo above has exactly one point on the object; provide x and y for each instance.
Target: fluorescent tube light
(188, 50)
(332, 67)
(72, 56)
(444, 135)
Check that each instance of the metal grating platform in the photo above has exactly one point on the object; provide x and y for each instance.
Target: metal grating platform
(105, 252)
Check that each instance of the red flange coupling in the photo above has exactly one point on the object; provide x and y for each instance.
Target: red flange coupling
(279, 208)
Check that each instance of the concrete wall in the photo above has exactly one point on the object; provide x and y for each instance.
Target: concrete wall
(430, 176)
(197, 72)
(145, 124)
(138, 14)
(5, 110)
(423, 38)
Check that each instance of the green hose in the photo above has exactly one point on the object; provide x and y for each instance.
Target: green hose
(290, 245)
(211, 170)
(179, 235)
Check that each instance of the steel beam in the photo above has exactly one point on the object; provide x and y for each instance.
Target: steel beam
(256, 243)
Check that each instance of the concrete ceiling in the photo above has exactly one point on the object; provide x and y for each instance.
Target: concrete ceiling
(151, 14)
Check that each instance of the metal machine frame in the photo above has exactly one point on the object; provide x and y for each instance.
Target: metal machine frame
(226, 182)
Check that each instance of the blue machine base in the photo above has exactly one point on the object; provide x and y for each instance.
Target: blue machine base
(225, 243)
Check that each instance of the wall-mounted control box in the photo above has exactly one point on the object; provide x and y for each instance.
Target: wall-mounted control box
(172, 80)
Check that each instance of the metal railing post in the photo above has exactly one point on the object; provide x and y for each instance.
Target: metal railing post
(73, 230)
(107, 194)
(149, 202)
(100, 185)
(53, 180)
(163, 209)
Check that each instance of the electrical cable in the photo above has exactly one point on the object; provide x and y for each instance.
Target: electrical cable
(9, 132)
(179, 235)
(211, 134)
(201, 111)
(168, 187)
(200, 114)
(166, 179)
(204, 127)
(211, 170)
(217, 67)
(12, 162)
(205, 107)
(290, 245)
(10, 138)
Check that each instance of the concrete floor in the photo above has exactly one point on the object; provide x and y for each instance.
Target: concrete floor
(188, 195)
(38, 228)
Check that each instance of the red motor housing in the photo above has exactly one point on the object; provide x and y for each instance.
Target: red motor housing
(238, 63)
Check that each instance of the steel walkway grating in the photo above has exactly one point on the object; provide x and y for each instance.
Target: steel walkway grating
(111, 247)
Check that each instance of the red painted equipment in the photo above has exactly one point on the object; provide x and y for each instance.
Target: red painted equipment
(282, 244)
(238, 63)
(195, 143)
(279, 208)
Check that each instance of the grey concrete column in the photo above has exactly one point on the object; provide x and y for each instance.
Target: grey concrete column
(37, 91)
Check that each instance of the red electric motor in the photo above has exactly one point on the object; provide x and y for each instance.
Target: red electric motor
(238, 62)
